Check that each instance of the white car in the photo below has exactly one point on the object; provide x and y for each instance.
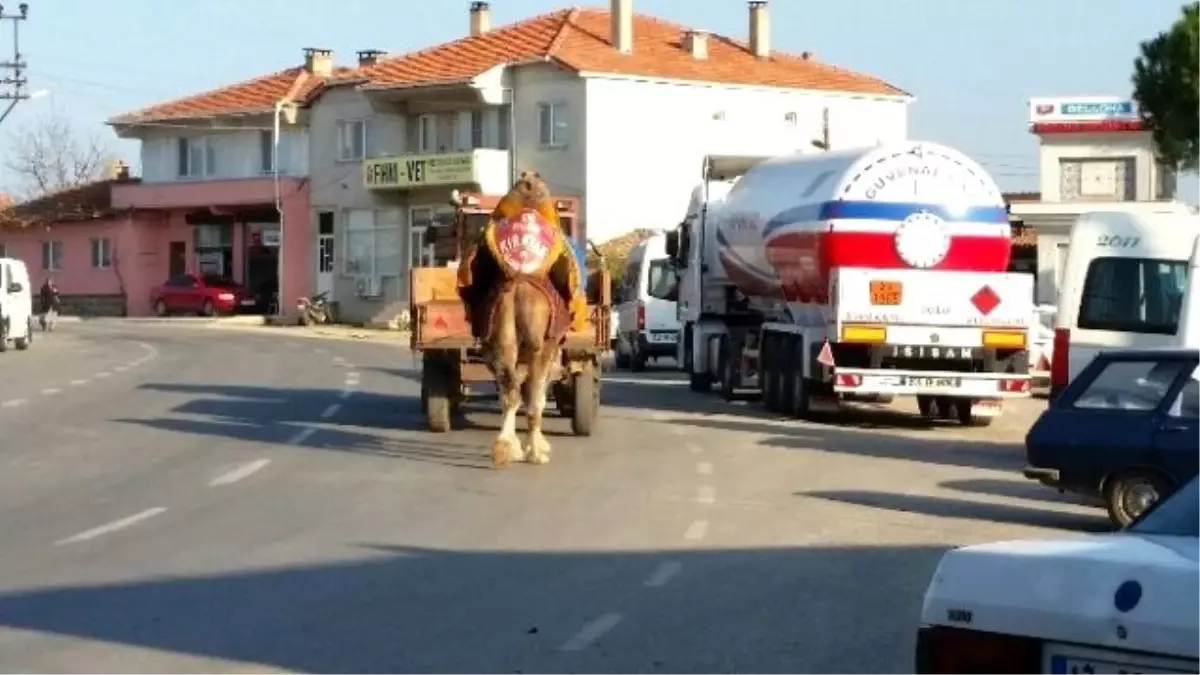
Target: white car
(1124, 602)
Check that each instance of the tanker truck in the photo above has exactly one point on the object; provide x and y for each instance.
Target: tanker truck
(864, 273)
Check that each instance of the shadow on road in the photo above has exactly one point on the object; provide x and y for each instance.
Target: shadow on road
(1014, 489)
(947, 507)
(404, 609)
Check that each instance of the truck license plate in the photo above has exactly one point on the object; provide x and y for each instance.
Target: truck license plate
(664, 338)
(934, 352)
(1064, 664)
(931, 382)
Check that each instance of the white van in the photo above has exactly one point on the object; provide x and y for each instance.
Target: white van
(1123, 286)
(648, 328)
(16, 305)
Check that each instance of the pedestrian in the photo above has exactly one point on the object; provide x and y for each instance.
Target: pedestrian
(50, 303)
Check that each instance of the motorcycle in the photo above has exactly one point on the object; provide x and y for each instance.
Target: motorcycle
(314, 310)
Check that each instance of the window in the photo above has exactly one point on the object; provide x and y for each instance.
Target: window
(426, 134)
(181, 281)
(102, 253)
(503, 127)
(372, 243)
(1133, 295)
(52, 252)
(266, 151)
(1187, 403)
(1110, 179)
(660, 270)
(476, 129)
(352, 140)
(1130, 385)
(325, 242)
(196, 157)
(552, 124)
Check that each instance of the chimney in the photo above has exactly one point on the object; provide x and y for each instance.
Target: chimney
(696, 42)
(760, 29)
(622, 25)
(481, 18)
(318, 61)
(369, 57)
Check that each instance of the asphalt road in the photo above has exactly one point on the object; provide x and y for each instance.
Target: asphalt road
(183, 499)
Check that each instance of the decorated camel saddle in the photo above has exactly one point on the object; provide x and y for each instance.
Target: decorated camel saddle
(524, 240)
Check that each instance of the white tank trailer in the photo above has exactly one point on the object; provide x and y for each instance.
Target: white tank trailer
(864, 273)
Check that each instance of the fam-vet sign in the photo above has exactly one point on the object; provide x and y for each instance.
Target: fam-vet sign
(1083, 114)
(413, 171)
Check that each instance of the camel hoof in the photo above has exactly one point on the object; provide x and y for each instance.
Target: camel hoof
(538, 457)
(504, 450)
(538, 451)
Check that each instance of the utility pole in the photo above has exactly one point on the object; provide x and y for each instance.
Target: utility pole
(14, 80)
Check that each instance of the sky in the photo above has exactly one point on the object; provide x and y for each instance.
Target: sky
(972, 64)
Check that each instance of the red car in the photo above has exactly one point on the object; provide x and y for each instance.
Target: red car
(207, 295)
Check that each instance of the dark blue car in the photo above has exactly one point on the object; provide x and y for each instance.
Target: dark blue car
(1125, 431)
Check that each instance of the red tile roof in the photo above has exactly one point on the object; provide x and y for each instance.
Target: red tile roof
(250, 97)
(89, 201)
(579, 39)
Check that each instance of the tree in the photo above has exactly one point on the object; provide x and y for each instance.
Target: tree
(1166, 86)
(50, 155)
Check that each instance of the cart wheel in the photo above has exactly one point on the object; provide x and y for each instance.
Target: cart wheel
(962, 411)
(585, 390)
(438, 390)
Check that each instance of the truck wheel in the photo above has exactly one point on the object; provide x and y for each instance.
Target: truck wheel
(637, 360)
(731, 372)
(620, 358)
(797, 384)
(1128, 495)
(925, 407)
(438, 388)
(700, 382)
(962, 412)
(771, 377)
(585, 402)
(23, 343)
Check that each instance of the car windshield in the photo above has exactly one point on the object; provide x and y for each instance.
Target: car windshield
(218, 281)
(1178, 515)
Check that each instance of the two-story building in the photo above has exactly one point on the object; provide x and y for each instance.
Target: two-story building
(613, 108)
(224, 187)
(1094, 153)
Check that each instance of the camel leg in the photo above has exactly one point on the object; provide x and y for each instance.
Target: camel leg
(507, 446)
(538, 449)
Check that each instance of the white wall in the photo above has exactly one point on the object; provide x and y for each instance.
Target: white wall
(646, 140)
(561, 168)
(1055, 147)
(237, 154)
(336, 183)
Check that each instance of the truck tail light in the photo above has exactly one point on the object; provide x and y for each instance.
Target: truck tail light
(1004, 339)
(1060, 361)
(864, 334)
(641, 316)
(942, 649)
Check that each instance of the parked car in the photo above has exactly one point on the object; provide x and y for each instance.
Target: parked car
(1123, 602)
(1125, 430)
(207, 295)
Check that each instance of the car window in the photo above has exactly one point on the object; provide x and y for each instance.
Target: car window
(1187, 403)
(217, 281)
(1177, 515)
(181, 281)
(658, 270)
(1133, 295)
(1130, 385)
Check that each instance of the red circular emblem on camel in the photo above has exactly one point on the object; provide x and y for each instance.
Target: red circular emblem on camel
(524, 241)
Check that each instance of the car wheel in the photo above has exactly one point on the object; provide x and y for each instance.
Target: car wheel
(160, 308)
(207, 309)
(23, 343)
(1128, 495)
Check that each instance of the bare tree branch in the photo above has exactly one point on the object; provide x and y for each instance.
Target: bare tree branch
(49, 155)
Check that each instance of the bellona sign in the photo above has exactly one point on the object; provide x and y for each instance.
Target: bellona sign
(1083, 114)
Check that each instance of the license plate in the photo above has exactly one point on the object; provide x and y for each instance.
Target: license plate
(886, 293)
(933, 352)
(663, 337)
(248, 302)
(931, 382)
(1066, 664)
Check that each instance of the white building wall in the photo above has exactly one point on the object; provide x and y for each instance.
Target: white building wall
(563, 168)
(1137, 145)
(237, 154)
(646, 140)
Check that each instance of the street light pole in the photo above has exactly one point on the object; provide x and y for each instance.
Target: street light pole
(16, 80)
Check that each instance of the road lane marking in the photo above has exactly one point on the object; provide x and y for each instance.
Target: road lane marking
(302, 436)
(77, 383)
(705, 494)
(665, 571)
(101, 375)
(121, 369)
(704, 469)
(244, 471)
(696, 530)
(678, 431)
(591, 632)
(694, 448)
(14, 403)
(50, 392)
(339, 361)
(351, 378)
(331, 411)
(112, 527)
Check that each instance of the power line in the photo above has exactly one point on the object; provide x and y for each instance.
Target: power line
(15, 80)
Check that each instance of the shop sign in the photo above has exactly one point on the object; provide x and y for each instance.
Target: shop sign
(413, 171)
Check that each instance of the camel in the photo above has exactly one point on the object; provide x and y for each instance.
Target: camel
(520, 284)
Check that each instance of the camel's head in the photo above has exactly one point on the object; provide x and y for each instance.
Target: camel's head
(528, 193)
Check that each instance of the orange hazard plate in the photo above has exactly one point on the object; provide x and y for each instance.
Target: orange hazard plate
(886, 293)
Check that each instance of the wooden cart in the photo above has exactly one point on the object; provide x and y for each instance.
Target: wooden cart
(450, 353)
